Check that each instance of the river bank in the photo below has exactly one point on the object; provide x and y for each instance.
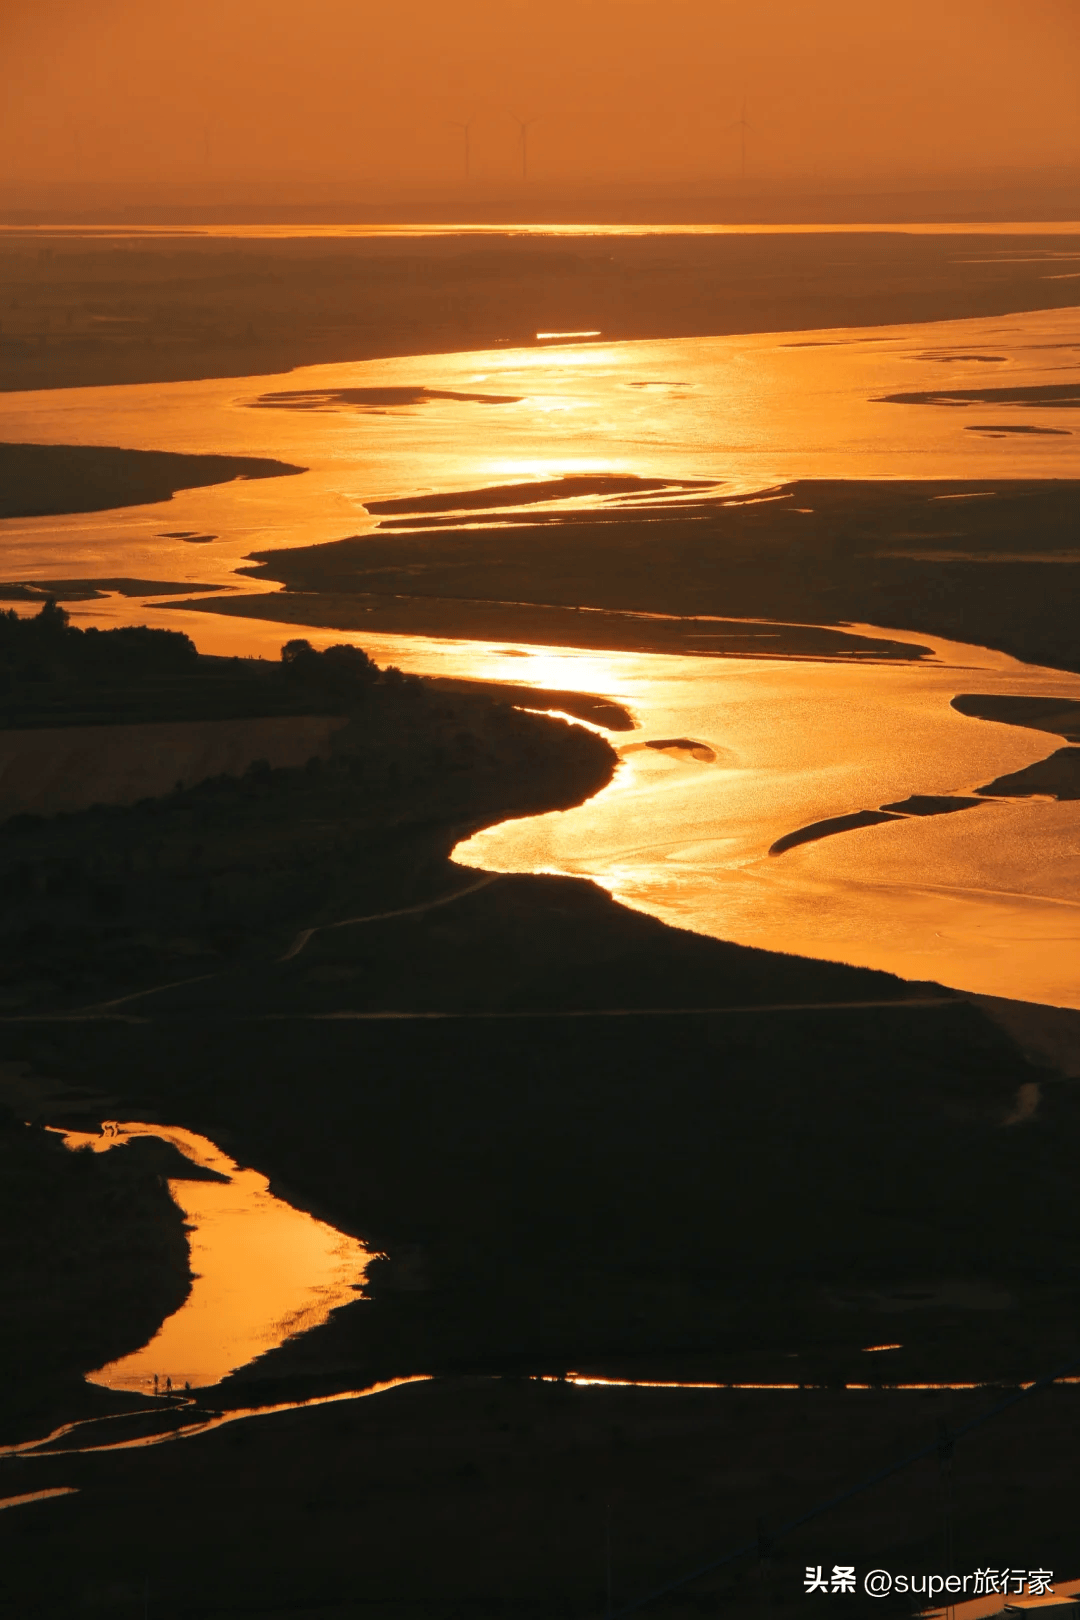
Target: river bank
(82, 313)
(93, 1257)
(988, 562)
(116, 899)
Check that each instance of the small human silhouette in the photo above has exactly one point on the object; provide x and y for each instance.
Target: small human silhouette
(168, 1385)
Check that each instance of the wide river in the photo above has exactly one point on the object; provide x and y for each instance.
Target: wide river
(988, 900)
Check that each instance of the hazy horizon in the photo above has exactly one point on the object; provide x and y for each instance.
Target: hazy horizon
(359, 99)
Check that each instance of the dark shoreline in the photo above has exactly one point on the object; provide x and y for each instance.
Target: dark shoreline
(47, 480)
(547, 625)
(97, 312)
(716, 575)
(502, 1496)
(94, 1257)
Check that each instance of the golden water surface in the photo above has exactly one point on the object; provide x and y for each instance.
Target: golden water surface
(987, 900)
(263, 1271)
(746, 412)
(127, 232)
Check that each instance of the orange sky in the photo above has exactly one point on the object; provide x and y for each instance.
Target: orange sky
(360, 91)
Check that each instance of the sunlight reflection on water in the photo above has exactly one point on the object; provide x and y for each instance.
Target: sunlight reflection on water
(263, 1271)
(988, 900)
(749, 411)
(128, 232)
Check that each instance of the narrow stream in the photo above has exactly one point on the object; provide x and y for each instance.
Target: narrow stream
(181, 1419)
(264, 1271)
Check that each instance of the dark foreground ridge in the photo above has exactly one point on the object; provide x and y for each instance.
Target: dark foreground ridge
(504, 1497)
(630, 1151)
(230, 867)
(55, 675)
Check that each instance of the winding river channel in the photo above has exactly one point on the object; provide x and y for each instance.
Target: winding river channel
(987, 901)
(263, 1271)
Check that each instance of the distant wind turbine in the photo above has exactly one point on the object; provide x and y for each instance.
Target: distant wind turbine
(523, 125)
(742, 126)
(466, 146)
